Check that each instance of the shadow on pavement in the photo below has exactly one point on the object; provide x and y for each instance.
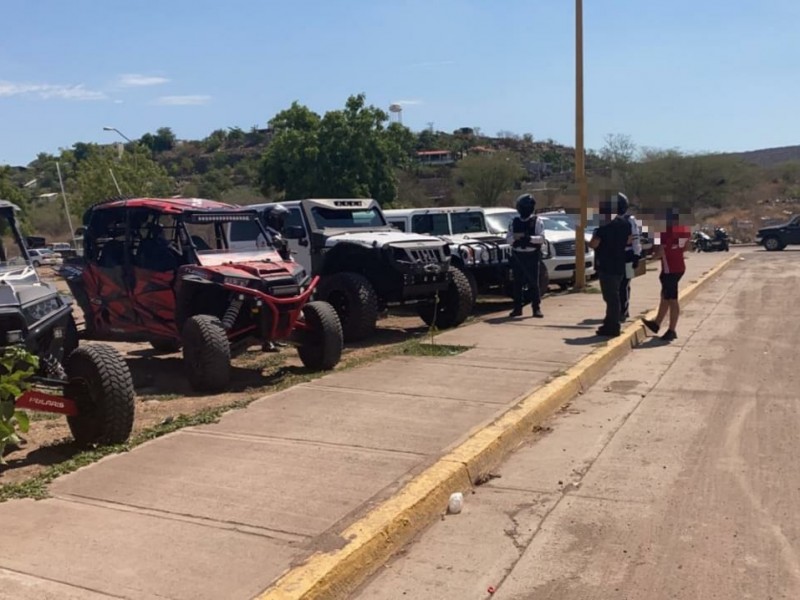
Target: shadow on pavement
(161, 376)
(46, 455)
(592, 340)
(653, 342)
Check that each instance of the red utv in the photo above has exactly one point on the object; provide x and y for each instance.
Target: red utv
(162, 271)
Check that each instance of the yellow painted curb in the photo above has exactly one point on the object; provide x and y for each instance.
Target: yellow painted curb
(387, 528)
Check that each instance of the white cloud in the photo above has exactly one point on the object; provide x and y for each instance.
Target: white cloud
(137, 80)
(408, 102)
(196, 100)
(49, 91)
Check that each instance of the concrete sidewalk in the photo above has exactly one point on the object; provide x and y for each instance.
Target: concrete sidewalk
(221, 511)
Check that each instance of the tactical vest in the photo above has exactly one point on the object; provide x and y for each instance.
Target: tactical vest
(528, 229)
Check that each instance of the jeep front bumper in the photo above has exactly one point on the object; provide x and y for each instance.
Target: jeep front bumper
(423, 286)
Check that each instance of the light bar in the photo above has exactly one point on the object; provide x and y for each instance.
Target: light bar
(221, 217)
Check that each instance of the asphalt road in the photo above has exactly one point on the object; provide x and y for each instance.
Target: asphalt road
(675, 477)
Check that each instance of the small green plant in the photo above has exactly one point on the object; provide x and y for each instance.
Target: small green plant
(17, 366)
(417, 348)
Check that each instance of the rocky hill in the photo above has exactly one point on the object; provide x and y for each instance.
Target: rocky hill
(769, 157)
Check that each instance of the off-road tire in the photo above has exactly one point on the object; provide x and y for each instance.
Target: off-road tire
(454, 306)
(320, 347)
(206, 353)
(101, 385)
(165, 345)
(473, 283)
(355, 302)
(773, 244)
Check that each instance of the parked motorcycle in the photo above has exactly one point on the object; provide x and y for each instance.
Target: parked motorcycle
(719, 242)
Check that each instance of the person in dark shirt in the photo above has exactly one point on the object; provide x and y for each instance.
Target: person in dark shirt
(526, 236)
(609, 242)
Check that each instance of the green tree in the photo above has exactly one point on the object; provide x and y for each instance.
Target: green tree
(215, 140)
(135, 172)
(618, 154)
(689, 181)
(10, 191)
(163, 140)
(236, 137)
(346, 153)
(486, 177)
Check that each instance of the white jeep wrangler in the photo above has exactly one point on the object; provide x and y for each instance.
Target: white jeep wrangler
(484, 256)
(366, 265)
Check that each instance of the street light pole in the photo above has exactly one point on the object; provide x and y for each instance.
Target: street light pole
(135, 159)
(580, 165)
(119, 132)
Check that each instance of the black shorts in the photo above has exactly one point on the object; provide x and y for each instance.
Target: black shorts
(669, 285)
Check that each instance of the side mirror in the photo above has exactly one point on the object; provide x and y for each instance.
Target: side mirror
(296, 232)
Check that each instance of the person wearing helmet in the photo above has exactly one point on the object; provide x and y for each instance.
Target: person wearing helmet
(274, 218)
(633, 253)
(526, 236)
(609, 242)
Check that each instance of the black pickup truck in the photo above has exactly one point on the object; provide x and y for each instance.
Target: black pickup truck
(777, 237)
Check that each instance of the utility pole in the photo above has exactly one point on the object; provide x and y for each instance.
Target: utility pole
(580, 164)
(66, 206)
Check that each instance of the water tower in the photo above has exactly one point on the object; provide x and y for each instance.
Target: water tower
(398, 110)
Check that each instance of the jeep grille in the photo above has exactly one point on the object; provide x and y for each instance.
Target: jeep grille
(424, 255)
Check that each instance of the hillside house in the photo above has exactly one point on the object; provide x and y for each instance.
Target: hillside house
(435, 158)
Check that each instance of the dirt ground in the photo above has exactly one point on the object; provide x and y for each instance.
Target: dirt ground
(163, 393)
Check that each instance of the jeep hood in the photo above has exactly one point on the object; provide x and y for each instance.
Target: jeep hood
(475, 237)
(18, 274)
(369, 239)
(769, 228)
(20, 295)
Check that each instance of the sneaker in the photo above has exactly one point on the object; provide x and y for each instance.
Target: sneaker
(537, 312)
(517, 312)
(669, 336)
(651, 325)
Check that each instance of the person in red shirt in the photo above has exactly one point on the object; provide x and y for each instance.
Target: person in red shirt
(671, 245)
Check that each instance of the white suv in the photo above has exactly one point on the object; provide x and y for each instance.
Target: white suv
(43, 256)
(560, 241)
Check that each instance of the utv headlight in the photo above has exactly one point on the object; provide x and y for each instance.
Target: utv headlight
(14, 337)
(238, 281)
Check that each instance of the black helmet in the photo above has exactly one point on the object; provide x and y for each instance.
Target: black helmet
(622, 203)
(526, 204)
(274, 216)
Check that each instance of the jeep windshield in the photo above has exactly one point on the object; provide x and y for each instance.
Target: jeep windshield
(340, 218)
(468, 222)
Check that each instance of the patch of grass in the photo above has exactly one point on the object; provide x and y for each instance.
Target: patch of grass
(43, 416)
(158, 397)
(417, 348)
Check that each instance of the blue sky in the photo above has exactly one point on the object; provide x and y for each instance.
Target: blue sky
(697, 75)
